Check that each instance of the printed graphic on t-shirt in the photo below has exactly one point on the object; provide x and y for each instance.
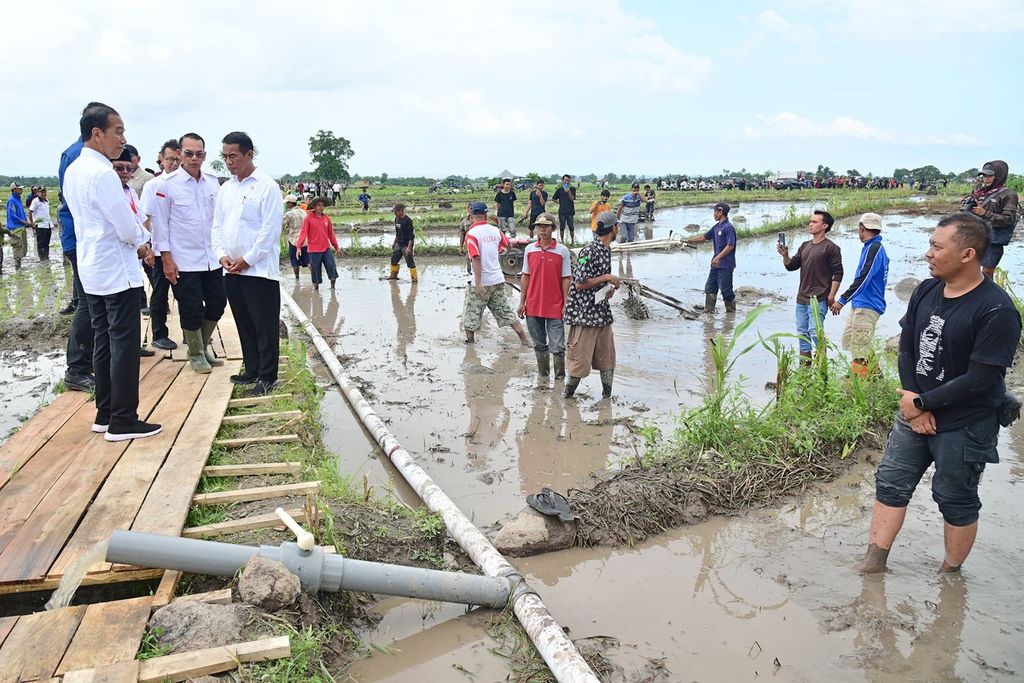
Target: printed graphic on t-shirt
(929, 348)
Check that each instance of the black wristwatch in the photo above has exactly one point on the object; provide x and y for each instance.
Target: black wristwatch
(918, 403)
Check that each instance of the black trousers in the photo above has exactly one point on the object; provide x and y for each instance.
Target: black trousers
(256, 307)
(158, 300)
(200, 296)
(116, 324)
(79, 353)
(43, 242)
(398, 252)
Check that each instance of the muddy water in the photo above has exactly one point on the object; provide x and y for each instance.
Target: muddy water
(719, 601)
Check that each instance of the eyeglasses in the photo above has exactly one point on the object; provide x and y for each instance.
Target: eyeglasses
(172, 160)
(198, 155)
(122, 168)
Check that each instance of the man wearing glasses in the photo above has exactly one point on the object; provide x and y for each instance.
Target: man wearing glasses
(182, 225)
(170, 159)
(246, 228)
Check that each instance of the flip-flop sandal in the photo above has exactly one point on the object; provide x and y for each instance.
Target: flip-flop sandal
(551, 503)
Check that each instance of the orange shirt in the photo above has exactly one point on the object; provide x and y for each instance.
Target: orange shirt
(596, 208)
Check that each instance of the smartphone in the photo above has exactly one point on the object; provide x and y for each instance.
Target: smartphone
(782, 238)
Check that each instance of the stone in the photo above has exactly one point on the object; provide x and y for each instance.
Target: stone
(531, 533)
(268, 584)
(185, 626)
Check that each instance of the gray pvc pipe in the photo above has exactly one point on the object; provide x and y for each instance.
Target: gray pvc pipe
(317, 570)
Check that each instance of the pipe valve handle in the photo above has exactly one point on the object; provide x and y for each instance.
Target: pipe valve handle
(303, 538)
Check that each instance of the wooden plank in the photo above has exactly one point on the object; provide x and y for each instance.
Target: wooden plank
(169, 498)
(255, 400)
(245, 524)
(24, 443)
(41, 538)
(221, 597)
(164, 592)
(6, 624)
(251, 469)
(122, 494)
(229, 332)
(122, 672)
(110, 632)
(244, 441)
(36, 645)
(253, 418)
(21, 497)
(258, 493)
(94, 579)
(185, 665)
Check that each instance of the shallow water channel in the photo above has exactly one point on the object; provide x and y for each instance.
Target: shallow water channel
(770, 593)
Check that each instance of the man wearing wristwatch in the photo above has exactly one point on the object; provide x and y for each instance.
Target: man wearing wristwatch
(960, 333)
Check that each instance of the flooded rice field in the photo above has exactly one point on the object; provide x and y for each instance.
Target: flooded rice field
(769, 593)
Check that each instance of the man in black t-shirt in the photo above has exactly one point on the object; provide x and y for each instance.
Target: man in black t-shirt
(565, 196)
(960, 333)
(404, 238)
(504, 205)
(538, 203)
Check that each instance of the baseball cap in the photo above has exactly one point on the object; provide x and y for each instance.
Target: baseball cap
(605, 222)
(871, 221)
(988, 169)
(16, 186)
(721, 206)
(478, 207)
(545, 219)
(291, 199)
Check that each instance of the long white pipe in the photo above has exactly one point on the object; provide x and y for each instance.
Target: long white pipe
(561, 656)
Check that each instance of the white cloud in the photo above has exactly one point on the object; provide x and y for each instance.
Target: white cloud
(789, 125)
(384, 75)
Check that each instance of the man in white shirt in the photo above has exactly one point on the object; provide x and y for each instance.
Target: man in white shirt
(246, 229)
(39, 214)
(170, 160)
(487, 288)
(182, 226)
(110, 242)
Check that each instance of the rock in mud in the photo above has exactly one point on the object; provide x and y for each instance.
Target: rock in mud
(185, 626)
(475, 369)
(692, 227)
(531, 533)
(268, 584)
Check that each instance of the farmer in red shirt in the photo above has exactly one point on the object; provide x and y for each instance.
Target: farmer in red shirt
(547, 269)
(318, 234)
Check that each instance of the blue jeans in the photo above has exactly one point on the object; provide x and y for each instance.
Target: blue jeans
(319, 260)
(720, 279)
(805, 325)
(627, 232)
(548, 334)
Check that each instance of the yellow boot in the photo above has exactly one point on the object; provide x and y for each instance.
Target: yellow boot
(394, 273)
(414, 275)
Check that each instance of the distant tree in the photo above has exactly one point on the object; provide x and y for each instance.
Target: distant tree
(852, 172)
(533, 175)
(383, 179)
(824, 172)
(926, 173)
(330, 155)
(901, 174)
(218, 167)
(611, 177)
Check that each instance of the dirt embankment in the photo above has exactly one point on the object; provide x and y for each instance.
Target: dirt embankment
(42, 334)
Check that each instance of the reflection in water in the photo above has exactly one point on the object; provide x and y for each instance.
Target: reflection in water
(485, 401)
(557, 448)
(625, 266)
(932, 651)
(405, 318)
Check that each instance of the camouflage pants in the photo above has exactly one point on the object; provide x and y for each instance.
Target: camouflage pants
(19, 243)
(494, 299)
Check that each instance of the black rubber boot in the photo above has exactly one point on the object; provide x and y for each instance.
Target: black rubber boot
(570, 386)
(559, 365)
(709, 302)
(730, 306)
(543, 367)
(606, 383)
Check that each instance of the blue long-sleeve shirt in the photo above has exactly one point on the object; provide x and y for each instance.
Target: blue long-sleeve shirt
(16, 217)
(868, 288)
(67, 222)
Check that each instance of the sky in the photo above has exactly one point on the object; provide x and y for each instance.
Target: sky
(464, 87)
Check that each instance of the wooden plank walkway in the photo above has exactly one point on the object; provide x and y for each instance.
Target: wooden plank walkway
(63, 488)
